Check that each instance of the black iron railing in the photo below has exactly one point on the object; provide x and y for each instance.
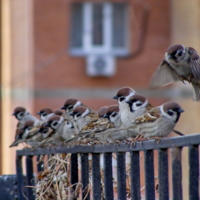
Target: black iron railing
(148, 147)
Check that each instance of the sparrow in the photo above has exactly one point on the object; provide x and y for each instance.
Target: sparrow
(179, 64)
(101, 124)
(159, 121)
(22, 115)
(18, 137)
(136, 106)
(45, 114)
(83, 116)
(64, 129)
(113, 114)
(71, 104)
(122, 95)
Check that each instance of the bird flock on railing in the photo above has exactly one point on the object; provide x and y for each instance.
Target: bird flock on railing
(132, 119)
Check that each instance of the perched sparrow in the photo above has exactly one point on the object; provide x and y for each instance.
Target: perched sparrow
(159, 121)
(63, 128)
(70, 105)
(122, 96)
(18, 137)
(113, 115)
(179, 64)
(22, 115)
(83, 116)
(101, 124)
(45, 114)
(137, 105)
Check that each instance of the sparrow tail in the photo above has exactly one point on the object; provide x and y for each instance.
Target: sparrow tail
(196, 88)
(178, 132)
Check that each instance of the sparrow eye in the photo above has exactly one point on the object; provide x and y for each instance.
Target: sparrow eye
(21, 114)
(70, 107)
(138, 104)
(114, 114)
(78, 115)
(121, 99)
(169, 112)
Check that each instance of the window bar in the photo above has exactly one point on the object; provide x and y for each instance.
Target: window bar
(85, 175)
(40, 166)
(96, 178)
(163, 174)
(193, 172)
(149, 175)
(108, 176)
(121, 176)
(74, 169)
(20, 178)
(29, 177)
(135, 175)
(177, 173)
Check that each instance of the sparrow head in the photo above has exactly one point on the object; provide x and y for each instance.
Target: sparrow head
(172, 110)
(19, 112)
(28, 125)
(54, 122)
(79, 112)
(58, 112)
(102, 111)
(70, 104)
(43, 113)
(136, 101)
(112, 113)
(123, 93)
(43, 129)
(176, 52)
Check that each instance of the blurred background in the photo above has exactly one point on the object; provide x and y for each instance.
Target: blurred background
(59, 49)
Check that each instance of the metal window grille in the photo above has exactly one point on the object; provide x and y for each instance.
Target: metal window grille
(148, 147)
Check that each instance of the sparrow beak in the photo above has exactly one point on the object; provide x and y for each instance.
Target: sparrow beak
(47, 125)
(14, 114)
(64, 107)
(38, 113)
(105, 116)
(115, 97)
(180, 110)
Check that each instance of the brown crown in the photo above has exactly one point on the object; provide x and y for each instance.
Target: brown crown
(137, 97)
(79, 109)
(46, 110)
(58, 112)
(113, 108)
(102, 111)
(174, 48)
(125, 91)
(19, 109)
(70, 102)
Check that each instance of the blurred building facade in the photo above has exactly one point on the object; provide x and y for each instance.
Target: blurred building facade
(61, 49)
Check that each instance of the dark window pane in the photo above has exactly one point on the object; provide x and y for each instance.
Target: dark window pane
(77, 25)
(97, 24)
(119, 25)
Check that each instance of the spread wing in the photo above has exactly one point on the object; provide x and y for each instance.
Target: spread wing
(164, 75)
(150, 116)
(194, 63)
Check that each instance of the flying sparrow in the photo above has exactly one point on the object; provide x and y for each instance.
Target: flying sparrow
(159, 121)
(22, 115)
(179, 64)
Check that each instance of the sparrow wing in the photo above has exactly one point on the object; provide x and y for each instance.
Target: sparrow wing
(164, 75)
(194, 64)
(150, 116)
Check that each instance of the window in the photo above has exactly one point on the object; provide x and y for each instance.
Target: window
(99, 28)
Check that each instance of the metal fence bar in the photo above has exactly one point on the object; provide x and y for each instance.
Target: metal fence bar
(40, 165)
(194, 172)
(163, 174)
(108, 176)
(20, 179)
(149, 175)
(121, 176)
(85, 175)
(96, 178)
(135, 175)
(146, 145)
(29, 177)
(74, 169)
(177, 174)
